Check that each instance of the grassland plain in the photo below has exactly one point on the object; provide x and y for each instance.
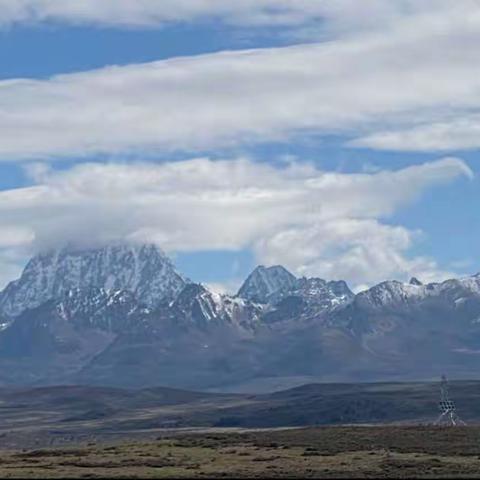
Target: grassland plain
(53, 416)
(321, 452)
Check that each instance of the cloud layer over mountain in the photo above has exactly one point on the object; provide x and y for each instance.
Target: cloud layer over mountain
(316, 223)
(375, 74)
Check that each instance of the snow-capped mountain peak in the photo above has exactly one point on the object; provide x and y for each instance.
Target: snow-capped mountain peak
(123, 315)
(266, 281)
(144, 270)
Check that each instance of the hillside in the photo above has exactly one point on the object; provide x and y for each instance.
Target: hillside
(52, 415)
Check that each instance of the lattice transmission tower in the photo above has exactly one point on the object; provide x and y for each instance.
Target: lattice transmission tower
(448, 412)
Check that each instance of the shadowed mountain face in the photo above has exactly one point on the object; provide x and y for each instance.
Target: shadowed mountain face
(123, 316)
(263, 283)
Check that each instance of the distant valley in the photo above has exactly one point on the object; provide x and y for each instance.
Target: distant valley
(70, 414)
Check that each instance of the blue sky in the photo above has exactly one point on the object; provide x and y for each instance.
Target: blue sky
(346, 166)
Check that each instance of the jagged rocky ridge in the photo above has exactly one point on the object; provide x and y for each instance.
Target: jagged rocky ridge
(144, 270)
(122, 315)
(264, 283)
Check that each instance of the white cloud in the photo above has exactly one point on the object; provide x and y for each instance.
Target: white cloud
(423, 70)
(315, 222)
(364, 251)
(458, 133)
(342, 14)
(400, 75)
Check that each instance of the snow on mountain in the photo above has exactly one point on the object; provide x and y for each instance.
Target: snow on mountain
(392, 294)
(392, 317)
(309, 299)
(123, 315)
(462, 286)
(111, 311)
(333, 293)
(198, 306)
(141, 269)
(4, 323)
(265, 281)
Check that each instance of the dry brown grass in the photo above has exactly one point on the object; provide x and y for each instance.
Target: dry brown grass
(330, 452)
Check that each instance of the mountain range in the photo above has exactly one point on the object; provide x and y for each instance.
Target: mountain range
(122, 315)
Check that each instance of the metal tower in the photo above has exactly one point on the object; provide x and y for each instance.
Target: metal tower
(448, 415)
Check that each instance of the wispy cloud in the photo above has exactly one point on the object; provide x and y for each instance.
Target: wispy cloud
(419, 80)
(461, 132)
(338, 14)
